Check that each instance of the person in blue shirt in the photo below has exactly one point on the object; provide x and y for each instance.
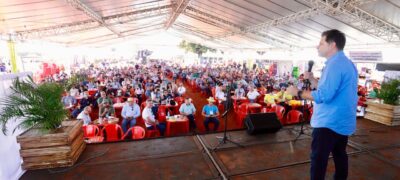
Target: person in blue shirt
(130, 112)
(189, 111)
(210, 111)
(335, 108)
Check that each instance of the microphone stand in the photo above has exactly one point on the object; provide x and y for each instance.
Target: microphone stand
(223, 140)
(306, 86)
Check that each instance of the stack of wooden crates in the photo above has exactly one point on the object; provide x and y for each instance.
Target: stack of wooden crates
(61, 148)
(383, 113)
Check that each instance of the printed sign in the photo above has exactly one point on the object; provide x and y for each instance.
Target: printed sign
(365, 55)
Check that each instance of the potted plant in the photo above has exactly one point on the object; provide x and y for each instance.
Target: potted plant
(388, 111)
(49, 140)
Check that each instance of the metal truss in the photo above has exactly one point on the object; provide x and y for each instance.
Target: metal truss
(123, 34)
(126, 34)
(203, 34)
(284, 20)
(360, 19)
(184, 28)
(68, 28)
(181, 6)
(232, 27)
(187, 28)
(354, 16)
(88, 11)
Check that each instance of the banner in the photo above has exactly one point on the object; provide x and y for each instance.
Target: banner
(372, 56)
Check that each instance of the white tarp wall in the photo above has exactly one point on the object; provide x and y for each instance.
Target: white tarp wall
(10, 160)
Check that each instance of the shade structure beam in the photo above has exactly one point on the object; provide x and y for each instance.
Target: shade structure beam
(233, 28)
(180, 7)
(92, 14)
(68, 28)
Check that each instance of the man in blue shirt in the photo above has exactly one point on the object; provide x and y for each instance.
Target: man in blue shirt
(129, 113)
(210, 111)
(189, 111)
(335, 98)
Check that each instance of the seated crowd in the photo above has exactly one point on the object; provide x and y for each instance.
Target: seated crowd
(146, 91)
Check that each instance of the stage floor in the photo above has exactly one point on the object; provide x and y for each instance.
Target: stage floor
(374, 153)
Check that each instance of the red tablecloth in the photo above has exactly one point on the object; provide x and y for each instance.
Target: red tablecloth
(236, 100)
(177, 124)
(254, 107)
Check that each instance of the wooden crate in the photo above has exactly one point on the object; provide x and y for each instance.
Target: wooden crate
(383, 113)
(59, 148)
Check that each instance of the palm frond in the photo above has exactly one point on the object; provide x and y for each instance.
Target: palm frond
(34, 104)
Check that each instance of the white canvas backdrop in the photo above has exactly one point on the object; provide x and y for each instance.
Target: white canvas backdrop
(10, 160)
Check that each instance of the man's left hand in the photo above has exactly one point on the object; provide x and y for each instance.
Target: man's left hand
(292, 90)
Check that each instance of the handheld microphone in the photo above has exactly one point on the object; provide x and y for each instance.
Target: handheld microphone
(307, 83)
(310, 65)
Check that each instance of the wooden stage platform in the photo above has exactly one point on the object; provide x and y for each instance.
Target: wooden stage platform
(374, 153)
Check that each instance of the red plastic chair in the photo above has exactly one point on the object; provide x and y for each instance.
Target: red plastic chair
(161, 114)
(118, 100)
(294, 116)
(112, 132)
(179, 100)
(221, 107)
(132, 92)
(90, 131)
(260, 100)
(143, 105)
(213, 91)
(280, 112)
(152, 133)
(241, 113)
(137, 132)
(272, 108)
(95, 113)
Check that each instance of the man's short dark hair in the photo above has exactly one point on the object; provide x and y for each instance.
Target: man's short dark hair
(336, 36)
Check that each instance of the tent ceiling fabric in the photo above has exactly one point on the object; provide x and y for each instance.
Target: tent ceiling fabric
(254, 24)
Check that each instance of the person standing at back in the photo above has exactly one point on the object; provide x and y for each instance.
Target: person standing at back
(335, 107)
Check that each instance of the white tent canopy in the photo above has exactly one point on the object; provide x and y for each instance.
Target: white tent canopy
(241, 24)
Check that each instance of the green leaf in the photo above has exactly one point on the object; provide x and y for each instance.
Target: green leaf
(390, 92)
(195, 48)
(33, 104)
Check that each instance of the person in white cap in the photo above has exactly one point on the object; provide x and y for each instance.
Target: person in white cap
(210, 111)
(129, 113)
